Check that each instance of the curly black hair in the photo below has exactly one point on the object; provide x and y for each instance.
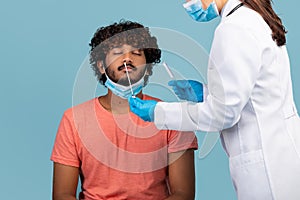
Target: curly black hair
(117, 34)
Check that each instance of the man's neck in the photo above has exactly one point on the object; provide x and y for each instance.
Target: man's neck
(114, 103)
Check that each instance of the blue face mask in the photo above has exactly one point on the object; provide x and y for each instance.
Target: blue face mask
(195, 10)
(124, 91)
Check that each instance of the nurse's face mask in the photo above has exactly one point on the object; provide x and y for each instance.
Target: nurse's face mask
(195, 9)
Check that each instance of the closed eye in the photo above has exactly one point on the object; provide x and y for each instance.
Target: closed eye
(137, 52)
(117, 52)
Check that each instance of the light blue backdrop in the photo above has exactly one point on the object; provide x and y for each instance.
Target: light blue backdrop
(42, 46)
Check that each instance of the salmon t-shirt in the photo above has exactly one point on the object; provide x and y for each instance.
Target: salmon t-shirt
(119, 156)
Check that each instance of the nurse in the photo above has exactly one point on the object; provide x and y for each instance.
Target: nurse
(248, 98)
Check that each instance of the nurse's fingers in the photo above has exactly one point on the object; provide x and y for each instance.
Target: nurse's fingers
(134, 102)
(172, 83)
(179, 84)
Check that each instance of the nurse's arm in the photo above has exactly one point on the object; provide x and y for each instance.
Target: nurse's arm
(182, 175)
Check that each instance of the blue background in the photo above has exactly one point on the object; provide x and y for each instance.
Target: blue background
(42, 46)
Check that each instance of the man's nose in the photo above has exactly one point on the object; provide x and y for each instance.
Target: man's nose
(127, 57)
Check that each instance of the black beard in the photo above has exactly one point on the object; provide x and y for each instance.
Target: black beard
(124, 80)
(129, 64)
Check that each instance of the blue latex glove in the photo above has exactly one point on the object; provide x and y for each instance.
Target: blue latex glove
(142, 108)
(188, 90)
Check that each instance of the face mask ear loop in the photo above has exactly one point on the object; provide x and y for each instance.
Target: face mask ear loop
(128, 79)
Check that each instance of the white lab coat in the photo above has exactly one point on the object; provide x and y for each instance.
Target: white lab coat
(250, 101)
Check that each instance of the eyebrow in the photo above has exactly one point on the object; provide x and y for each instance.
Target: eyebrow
(132, 48)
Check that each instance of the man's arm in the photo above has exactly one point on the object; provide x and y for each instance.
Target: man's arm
(65, 181)
(182, 175)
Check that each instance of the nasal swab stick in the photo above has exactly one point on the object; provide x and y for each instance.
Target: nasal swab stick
(168, 70)
(128, 78)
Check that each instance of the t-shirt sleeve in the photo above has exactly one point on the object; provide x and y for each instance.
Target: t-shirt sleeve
(64, 150)
(181, 140)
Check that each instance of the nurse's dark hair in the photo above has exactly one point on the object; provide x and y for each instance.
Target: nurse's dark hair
(264, 8)
(117, 34)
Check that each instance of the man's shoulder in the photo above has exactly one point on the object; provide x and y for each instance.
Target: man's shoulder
(84, 107)
(148, 97)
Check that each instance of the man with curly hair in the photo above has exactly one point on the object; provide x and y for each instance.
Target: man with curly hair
(115, 153)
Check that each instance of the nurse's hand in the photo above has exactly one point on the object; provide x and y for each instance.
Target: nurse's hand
(142, 108)
(189, 90)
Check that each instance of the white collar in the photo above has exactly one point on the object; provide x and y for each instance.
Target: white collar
(230, 4)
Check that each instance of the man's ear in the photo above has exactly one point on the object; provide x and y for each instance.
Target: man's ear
(148, 69)
(100, 66)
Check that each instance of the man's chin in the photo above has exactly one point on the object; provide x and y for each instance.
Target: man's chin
(124, 81)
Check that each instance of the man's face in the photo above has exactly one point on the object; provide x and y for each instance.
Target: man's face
(135, 61)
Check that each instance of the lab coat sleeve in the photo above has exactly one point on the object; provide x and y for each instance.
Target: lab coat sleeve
(205, 92)
(234, 64)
